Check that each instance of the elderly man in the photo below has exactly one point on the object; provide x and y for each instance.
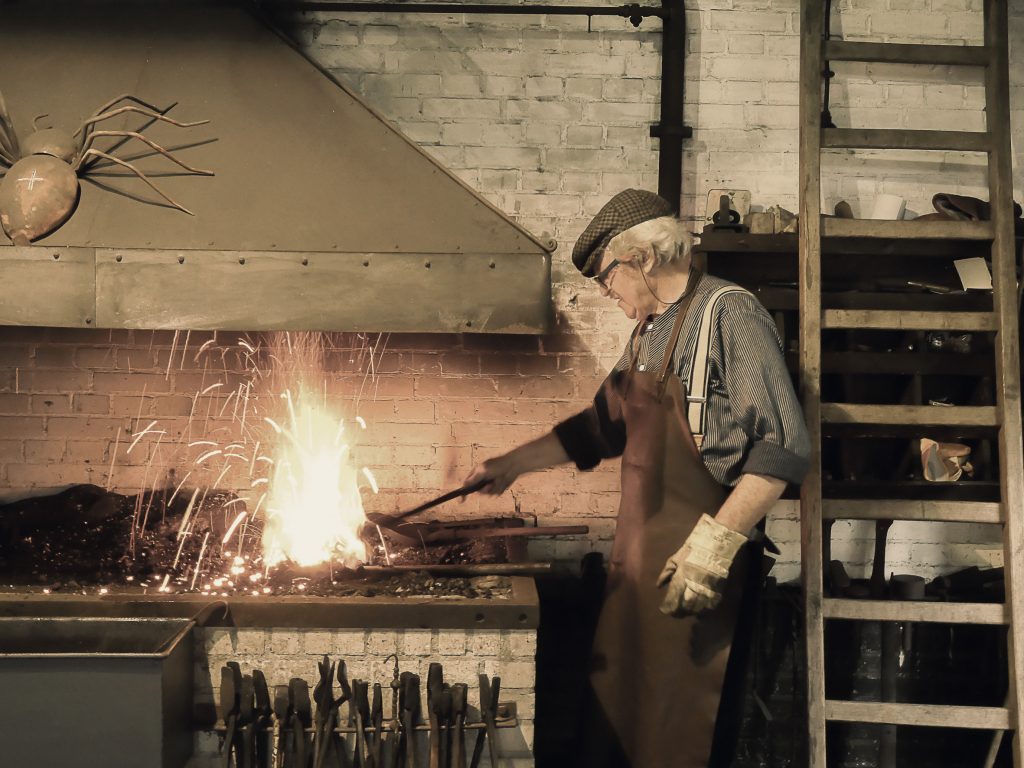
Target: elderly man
(702, 411)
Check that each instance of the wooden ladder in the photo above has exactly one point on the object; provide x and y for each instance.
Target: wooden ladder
(1005, 416)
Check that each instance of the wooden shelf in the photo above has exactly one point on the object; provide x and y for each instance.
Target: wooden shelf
(908, 321)
(914, 611)
(894, 138)
(916, 490)
(868, 237)
(909, 415)
(936, 715)
(777, 297)
(901, 53)
(913, 229)
(910, 509)
(941, 432)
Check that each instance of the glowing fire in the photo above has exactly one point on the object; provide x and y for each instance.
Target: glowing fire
(314, 511)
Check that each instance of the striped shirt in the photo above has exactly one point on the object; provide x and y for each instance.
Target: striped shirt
(753, 421)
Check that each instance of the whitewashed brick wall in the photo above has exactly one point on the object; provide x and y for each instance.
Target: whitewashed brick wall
(286, 653)
(548, 120)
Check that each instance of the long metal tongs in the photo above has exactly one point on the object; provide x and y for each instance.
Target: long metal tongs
(264, 710)
(323, 697)
(490, 689)
(230, 700)
(394, 522)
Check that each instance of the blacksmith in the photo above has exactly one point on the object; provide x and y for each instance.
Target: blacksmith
(702, 411)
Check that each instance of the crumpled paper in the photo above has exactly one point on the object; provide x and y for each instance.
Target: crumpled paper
(945, 462)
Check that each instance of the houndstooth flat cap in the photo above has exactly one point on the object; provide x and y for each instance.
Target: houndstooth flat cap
(627, 209)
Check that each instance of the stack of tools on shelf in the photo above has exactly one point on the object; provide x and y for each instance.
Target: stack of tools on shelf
(287, 733)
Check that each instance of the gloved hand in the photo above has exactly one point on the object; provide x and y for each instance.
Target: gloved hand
(696, 574)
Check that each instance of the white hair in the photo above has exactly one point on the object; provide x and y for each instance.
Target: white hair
(666, 238)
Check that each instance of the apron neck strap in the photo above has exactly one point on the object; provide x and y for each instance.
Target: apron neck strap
(684, 305)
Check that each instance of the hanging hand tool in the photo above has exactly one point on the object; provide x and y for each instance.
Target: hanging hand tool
(323, 697)
(230, 695)
(410, 714)
(490, 718)
(302, 718)
(263, 719)
(398, 757)
(445, 718)
(246, 755)
(394, 736)
(459, 702)
(346, 696)
(489, 692)
(435, 685)
(360, 697)
(282, 715)
(377, 722)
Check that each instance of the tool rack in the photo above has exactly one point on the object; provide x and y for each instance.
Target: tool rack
(290, 726)
(818, 237)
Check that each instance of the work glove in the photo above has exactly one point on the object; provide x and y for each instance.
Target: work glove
(696, 574)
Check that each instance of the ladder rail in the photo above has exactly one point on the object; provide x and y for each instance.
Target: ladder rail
(812, 28)
(1011, 453)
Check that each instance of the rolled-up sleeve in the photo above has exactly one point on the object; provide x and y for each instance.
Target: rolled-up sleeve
(761, 396)
(597, 432)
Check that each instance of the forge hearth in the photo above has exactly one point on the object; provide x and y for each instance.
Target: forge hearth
(89, 540)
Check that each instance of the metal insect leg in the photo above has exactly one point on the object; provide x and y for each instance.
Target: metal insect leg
(112, 102)
(135, 135)
(126, 97)
(137, 172)
(9, 148)
(86, 167)
(90, 121)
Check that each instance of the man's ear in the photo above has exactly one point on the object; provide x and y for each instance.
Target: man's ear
(646, 257)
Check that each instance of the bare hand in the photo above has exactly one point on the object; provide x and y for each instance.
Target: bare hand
(502, 471)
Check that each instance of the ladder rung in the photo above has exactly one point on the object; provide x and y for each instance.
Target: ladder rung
(892, 138)
(907, 230)
(909, 321)
(914, 415)
(895, 53)
(938, 715)
(894, 509)
(915, 610)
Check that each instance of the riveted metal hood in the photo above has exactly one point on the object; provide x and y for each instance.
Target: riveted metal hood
(320, 215)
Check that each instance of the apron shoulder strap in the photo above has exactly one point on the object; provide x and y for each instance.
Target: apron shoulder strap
(684, 307)
(700, 370)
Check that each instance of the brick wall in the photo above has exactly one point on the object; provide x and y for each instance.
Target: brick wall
(546, 119)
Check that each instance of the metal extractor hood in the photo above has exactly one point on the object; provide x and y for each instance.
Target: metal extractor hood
(320, 215)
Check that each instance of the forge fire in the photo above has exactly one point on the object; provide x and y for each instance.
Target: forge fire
(272, 501)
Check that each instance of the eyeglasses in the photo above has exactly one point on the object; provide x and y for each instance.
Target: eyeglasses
(602, 276)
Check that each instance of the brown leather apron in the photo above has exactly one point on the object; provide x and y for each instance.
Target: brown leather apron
(656, 679)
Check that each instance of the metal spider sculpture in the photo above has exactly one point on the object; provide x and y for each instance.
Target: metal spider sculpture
(39, 191)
